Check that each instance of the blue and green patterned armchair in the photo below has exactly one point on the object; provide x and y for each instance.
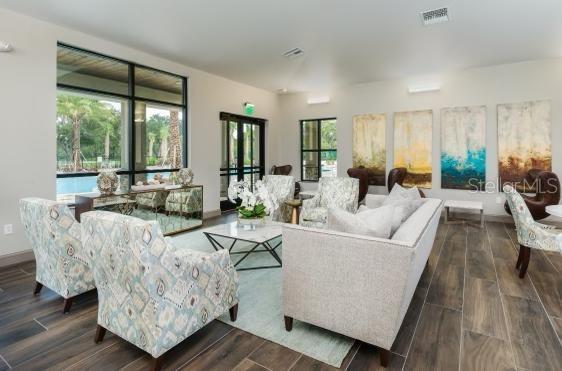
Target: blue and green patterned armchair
(185, 201)
(530, 234)
(342, 193)
(54, 234)
(151, 292)
(282, 188)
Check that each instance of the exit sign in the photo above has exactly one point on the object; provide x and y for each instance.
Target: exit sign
(248, 108)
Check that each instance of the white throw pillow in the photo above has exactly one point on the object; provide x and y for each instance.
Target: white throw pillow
(372, 222)
(402, 211)
(400, 193)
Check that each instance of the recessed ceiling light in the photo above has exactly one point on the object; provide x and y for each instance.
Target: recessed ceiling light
(5, 46)
(282, 91)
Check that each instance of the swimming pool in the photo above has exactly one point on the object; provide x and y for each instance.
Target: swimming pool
(86, 184)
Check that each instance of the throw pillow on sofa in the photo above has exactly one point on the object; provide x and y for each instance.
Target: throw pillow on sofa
(402, 211)
(373, 222)
(400, 193)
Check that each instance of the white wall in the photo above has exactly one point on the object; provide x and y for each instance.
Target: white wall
(483, 86)
(27, 119)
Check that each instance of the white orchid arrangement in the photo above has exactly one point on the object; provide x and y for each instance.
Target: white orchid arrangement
(256, 202)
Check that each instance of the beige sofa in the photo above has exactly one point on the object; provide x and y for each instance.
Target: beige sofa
(355, 285)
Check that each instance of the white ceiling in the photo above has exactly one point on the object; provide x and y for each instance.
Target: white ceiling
(345, 41)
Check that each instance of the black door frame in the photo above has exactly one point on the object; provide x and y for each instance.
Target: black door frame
(240, 169)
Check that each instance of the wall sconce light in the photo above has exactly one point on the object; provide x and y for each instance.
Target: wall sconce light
(318, 100)
(5, 46)
(423, 88)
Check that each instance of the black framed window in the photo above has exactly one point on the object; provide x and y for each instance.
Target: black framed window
(318, 149)
(119, 115)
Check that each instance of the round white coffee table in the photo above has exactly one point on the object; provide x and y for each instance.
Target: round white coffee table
(555, 210)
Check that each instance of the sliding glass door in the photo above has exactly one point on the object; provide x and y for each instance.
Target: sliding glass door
(242, 152)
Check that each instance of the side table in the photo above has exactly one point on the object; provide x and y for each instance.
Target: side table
(295, 205)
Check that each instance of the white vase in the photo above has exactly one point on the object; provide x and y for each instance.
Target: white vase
(254, 222)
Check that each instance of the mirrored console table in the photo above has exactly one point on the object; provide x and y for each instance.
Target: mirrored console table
(176, 210)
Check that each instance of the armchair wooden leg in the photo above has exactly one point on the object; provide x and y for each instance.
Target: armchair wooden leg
(384, 356)
(233, 312)
(67, 305)
(38, 287)
(100, 333)
(157, 363)
(288, 323)
(525, 262)
(520, 257)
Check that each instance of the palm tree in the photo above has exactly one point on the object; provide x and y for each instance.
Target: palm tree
(175, 144)
(151, 140)
(164, 144)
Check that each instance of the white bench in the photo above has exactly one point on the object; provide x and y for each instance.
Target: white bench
(467, 205)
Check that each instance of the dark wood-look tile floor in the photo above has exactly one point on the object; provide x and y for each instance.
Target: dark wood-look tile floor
(470, 312)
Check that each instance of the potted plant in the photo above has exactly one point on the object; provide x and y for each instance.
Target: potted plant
(255, 204)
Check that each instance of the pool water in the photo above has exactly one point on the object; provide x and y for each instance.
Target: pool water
(85, 184)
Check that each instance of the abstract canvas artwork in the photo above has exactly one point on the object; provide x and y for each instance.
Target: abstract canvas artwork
(412, 146)
(369, 148)
(523, 141)
(463, 147)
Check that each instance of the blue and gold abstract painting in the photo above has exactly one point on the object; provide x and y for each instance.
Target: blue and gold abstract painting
(463, 147)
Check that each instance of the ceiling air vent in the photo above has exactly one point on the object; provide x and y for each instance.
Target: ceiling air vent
(435, 16)
(293, 53)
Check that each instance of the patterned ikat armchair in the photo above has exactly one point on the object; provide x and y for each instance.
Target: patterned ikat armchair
(341, 193)
(282, 188)
(62, 264)
(185, 201)
(152, 293)
(530, 234)
(153, 200)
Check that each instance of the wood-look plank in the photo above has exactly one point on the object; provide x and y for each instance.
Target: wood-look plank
(437, 340)
(3, 365)
(248, 365)
(18, 331)
(119, 354)
(25, 308)
(482, 310)
(510, 283)
(446, 288)
(306, 363)
(18, 288)
(406, 332)
(69, 353)
(480, 264)
(484, 353)
(28, 267)
(226, 353)
(367, 358)
(83, 303)
(534, 341)
(13, 274)
(187, 350)
(557, 324)
(504, 249)
(549, 288)
(540, 263)
(274, 356)
(497, 230)
(477, 238)
(555, 258)
(429, 269)
(50, 340)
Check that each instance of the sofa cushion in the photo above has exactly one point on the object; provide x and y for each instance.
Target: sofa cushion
(402, 211)
(316, 214)
(413, 227)
(374, 222)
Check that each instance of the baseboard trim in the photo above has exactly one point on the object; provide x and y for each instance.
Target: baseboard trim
(16, 258)
(211, 214)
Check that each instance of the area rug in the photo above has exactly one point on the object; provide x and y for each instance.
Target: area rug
(260, 311)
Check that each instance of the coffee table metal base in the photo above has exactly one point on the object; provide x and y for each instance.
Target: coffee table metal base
(267, 247)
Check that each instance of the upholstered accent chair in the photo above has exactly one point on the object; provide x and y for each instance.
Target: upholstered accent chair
(547, 193)
(362, 174)
(184, 201)
(341, 193)
(286, 170)
(151, 292)
(153, 200)
(397, 176)
(530, 234)
(282, 188)
(54, 233)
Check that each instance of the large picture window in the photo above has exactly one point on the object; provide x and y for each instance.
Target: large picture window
(318, 149)
(118, 115)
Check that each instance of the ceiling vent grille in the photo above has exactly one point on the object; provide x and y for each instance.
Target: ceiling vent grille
(435, 16)
(293, 53)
